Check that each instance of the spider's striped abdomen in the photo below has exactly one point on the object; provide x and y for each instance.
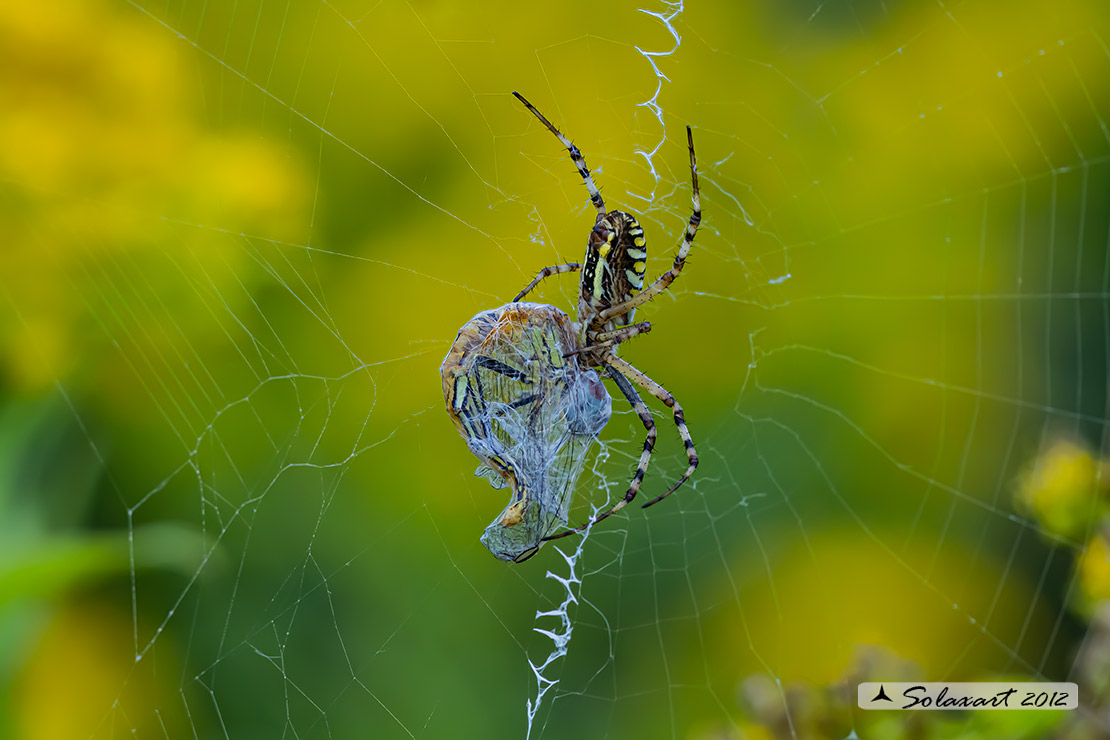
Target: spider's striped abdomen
(613, 272)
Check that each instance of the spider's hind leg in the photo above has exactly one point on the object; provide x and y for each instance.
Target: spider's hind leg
(544, 273)
(664, 281)
(579, 160)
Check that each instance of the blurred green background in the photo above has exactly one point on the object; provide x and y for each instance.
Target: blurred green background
(239, 237)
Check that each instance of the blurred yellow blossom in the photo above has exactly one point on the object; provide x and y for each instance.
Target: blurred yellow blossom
(101, 151)
(1093, 568)
(82, 675)
(1061, 489)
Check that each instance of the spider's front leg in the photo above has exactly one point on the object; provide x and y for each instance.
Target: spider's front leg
(637, 377)
(544, 273)
(610, 339)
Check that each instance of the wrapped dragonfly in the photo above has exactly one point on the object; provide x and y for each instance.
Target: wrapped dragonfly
(529, 411)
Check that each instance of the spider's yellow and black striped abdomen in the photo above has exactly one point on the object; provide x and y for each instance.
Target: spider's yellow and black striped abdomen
(613, 272)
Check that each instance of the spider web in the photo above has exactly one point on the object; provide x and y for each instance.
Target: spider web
(241, 237)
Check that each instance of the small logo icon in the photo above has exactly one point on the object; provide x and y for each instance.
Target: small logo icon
(882, 695)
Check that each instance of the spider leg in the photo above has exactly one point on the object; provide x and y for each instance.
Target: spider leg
(614, 337)
(546, 272)
(579, 160)
(644, 413)
(664, 281)
(614, 363)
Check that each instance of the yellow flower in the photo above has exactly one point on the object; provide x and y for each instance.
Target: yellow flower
(113, 188)
(1093, 568)
(1060, 489)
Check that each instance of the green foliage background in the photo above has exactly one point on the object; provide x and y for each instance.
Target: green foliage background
(239, 237)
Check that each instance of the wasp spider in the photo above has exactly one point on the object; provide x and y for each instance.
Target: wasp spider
(611, 289)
